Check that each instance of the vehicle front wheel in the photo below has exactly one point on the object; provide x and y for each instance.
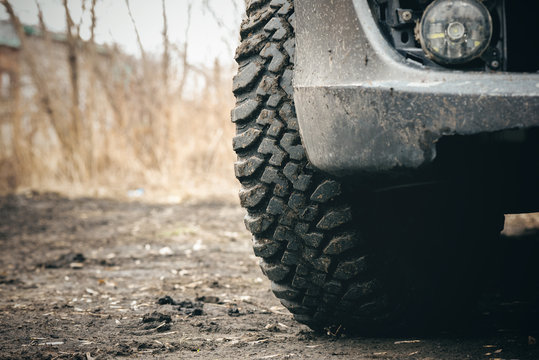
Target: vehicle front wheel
(327, 262)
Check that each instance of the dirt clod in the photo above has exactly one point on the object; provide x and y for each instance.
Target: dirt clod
(166, 300)
(234, 311)
(156, 317)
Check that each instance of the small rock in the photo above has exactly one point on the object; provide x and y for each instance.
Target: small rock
(234, 311)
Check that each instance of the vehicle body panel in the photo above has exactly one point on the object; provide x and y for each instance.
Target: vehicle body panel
(362, 106)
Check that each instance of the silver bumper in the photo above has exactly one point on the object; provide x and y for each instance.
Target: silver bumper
(361, 106)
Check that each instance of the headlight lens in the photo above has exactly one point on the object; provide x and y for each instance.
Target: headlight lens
(455, 31)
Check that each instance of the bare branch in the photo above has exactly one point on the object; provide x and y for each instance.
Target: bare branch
(184, 55)
(166, 54)
(94, 22)
(42, 26)
(83, 11)
(141, 48)
(72, 60)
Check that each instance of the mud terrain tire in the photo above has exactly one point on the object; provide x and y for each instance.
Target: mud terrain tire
(304, 230)
(299, 219)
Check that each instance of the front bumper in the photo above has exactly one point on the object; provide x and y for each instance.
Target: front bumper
(361, 106)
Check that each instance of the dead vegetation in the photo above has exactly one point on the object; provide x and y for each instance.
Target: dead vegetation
(88, 116)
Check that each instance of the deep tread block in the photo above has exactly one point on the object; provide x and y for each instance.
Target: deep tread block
(294, 245)
(310, 254)
(322, 264)
(286, 7)
(326, 191)
(287, 112)
(292, 21)
(272, 175)
(252, 46)
(291, 171)
(334, 218)
(288, 218)
(254, 4)
(274, 100)
(269, 146)
(340, 244)
(284, 292)
(283, 234)
(248, 166)
(290, 258)
(278, 59)
(252, 196)
(274, 272)
(302, 269)
(245, 110)
(275, 128)
(256, 20)
(257, 224)
(294, 307)
(246, 138)
(265, 247)
(277, 27)
(290, 49)
(350, 269)
(276, 206)
(318, 279)
(267, 117)
(296, 201)
(267, 86)
(309, 213)
(302, 182)
(299, 181)
(287, 85)
(247, 76)
(296, 152)
(313, 239)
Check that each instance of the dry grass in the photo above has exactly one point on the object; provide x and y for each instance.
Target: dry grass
(95, 121)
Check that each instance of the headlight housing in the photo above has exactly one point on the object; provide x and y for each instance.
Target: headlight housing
(455, 31)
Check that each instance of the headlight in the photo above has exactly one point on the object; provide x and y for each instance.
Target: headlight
(455, 31)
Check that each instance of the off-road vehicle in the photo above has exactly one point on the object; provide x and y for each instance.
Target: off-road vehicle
(380, 143)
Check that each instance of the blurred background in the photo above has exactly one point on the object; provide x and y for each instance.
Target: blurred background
(118, 97)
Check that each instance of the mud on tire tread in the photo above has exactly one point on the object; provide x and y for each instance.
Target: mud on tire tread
(300, 221)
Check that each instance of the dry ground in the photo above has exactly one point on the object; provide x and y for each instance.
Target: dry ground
(82, 278)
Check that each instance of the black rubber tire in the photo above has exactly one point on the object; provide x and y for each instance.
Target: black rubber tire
(303, 227)
(299, 219)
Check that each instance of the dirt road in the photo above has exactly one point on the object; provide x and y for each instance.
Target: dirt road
(98, 279)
